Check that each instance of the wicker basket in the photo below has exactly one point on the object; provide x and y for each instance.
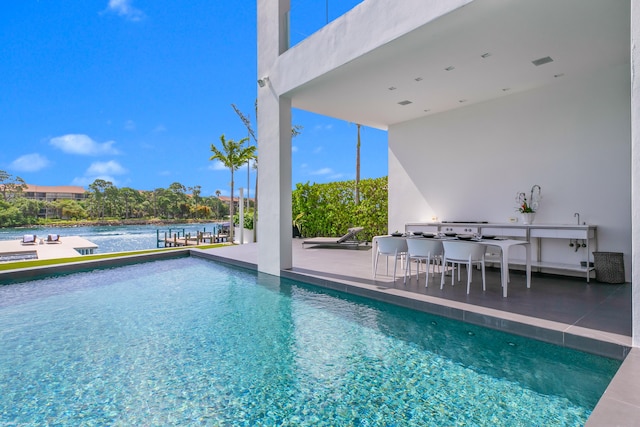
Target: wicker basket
(609, 267)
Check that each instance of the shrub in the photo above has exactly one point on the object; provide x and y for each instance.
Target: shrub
(330, 209)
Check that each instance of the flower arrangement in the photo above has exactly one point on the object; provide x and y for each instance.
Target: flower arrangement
(528, 205)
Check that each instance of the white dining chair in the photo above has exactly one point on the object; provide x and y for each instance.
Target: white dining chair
(467, 253)
(395, 247)
(422, 249)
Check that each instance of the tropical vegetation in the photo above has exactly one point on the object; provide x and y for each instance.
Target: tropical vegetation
(104, 201)
(330, 209)
(232, 155)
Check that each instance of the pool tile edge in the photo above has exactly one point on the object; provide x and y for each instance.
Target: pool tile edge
(602, 344)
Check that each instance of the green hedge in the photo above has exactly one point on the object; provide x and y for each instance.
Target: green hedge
(330, 209)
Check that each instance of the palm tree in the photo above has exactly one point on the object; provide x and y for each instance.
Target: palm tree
(218, 193)
(195, 192)
(295, 131)
(233, 155)
(358, 167)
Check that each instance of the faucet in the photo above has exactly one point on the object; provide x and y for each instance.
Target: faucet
(577, 215)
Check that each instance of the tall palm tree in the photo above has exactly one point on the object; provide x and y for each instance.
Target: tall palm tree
(358, 167)
(295, 131)
(233, 155)
(218, 193)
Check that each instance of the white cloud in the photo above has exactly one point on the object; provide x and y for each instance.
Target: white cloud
(124, 8)
(85, 181)
(101, 170)
(105, 168)
(30, 163)
(323, 127)
(323, 171)
(130, 125)
(160, 128)
(82, 144)
(217, 166)
(294, 149)
(317, 150)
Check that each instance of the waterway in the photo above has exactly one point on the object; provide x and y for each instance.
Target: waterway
(112, 238)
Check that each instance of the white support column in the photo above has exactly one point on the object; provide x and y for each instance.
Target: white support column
(635, 169)
(274, 142)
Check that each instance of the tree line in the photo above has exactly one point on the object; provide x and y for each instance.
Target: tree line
(105, 201)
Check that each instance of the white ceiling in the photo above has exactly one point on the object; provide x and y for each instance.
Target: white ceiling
(579, 35)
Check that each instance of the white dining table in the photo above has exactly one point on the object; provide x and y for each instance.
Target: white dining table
(505, 246)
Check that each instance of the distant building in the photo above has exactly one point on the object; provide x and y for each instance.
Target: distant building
(51, 193)
(236, 201)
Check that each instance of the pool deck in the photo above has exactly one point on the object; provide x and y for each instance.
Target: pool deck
(567, 311)
(67, 247)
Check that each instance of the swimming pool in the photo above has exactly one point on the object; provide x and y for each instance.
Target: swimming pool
(189, 341)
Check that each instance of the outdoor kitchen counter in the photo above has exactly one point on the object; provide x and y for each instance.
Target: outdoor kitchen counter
(528, 232)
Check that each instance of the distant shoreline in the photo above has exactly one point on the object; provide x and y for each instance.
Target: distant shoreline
(106, 223)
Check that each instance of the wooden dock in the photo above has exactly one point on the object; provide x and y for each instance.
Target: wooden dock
(177, 239)
(67, 247)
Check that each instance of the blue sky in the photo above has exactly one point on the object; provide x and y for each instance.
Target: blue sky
(135, 92)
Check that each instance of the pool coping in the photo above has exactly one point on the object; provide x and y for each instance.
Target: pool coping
(618, 406)
(34, 273)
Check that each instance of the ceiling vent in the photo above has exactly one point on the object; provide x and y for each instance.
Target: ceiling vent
(405, 102)
(542, 61)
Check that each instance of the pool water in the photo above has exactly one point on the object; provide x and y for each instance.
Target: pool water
(192, 342)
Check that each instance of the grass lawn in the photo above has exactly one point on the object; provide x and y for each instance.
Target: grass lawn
(42, 262)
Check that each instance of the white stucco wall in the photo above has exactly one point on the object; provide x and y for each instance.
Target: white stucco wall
(572, 138)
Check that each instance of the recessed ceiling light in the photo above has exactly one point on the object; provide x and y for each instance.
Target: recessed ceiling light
(449, 68)
(461, 101)
(542, 61)
(418, 79)
(485, 55)
(392, 88)
(405, 102)
(506, 89)
(558, 75)
(427, 110)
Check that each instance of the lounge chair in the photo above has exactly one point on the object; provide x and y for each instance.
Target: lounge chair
(348, 240)
(29, 239)
(53, 238)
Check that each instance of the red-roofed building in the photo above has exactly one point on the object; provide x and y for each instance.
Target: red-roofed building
(51, 193)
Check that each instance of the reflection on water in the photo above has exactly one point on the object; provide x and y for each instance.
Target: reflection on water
(112, 238)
